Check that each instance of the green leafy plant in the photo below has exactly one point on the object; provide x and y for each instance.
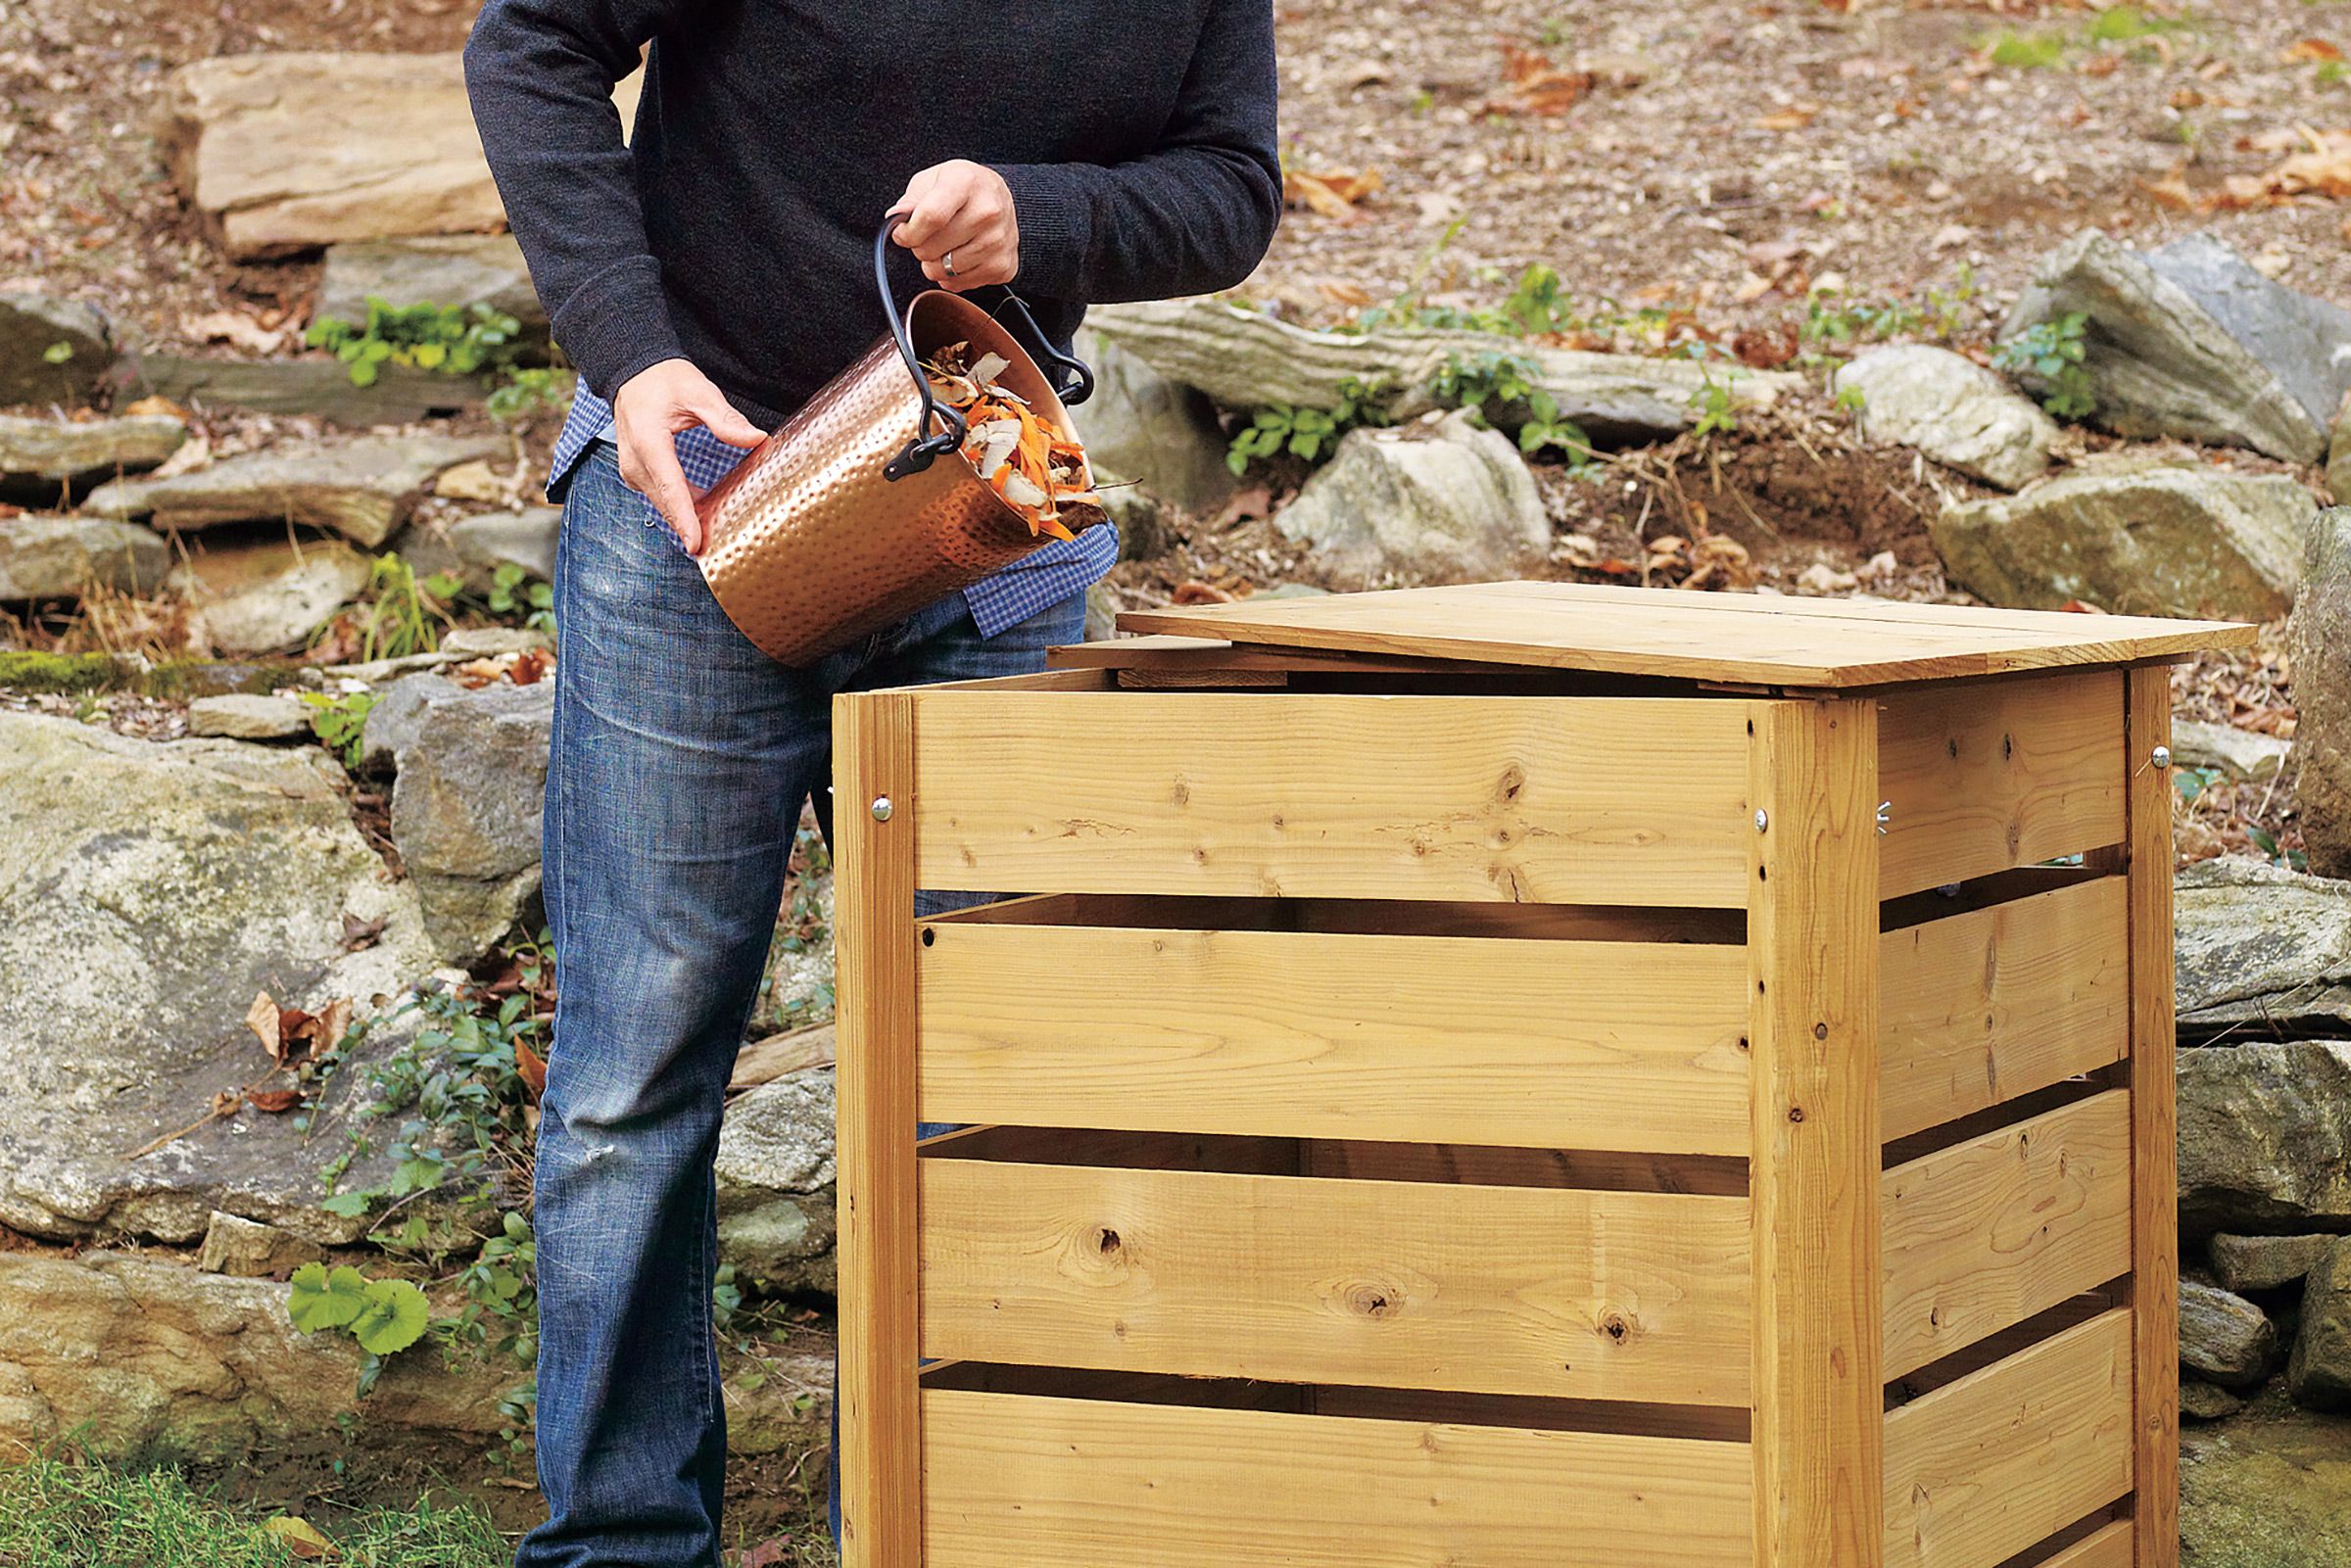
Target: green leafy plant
(340, 722)
(515, 592)
(398, 613)
(1303, 432)
(56, 353)
(1496, 388)
(1831, 318)
(1850, 400)
(2053, 352)
(2027, 51)
(385, 1315)
(459, 340)
(526, 390)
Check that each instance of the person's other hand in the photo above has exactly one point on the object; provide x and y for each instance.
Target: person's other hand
(964, 207)
(648, 413)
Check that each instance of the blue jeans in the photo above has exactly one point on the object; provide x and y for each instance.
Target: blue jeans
(681, 758)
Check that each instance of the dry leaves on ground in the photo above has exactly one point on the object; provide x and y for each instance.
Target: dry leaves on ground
(1331, 195)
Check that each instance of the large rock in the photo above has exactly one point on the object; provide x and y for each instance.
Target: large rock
(775, 1182)
(466, 812)
(1245, 360)
(318, 385)
(475, 548)
(51, 350)
(2258, 945)
(2318, 1376)
(460, 269)
(62, 557)
(2152, 541)
(2265, 1137)
(392, 724)
(147, 891)
(265, 596)
(1161, 434)
(2267, 1262)
(2191, 341)
(250, 716)
(1451, 504)
(2269, 1489)
(1951, 409)
(2224, 1337)
(2237, 754)
(285, 152)
(361, 488)
(2319, 642)
(41, 456)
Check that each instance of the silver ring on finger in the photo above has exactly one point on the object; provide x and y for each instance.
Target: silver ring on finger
(950, 261)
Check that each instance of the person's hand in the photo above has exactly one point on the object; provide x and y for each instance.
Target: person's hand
(648, 413)
(964, 207)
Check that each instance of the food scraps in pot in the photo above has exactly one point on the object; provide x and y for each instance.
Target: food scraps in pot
(1040, 472)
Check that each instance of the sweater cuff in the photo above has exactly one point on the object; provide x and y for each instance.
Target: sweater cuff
(1051, 206)
(616, 324)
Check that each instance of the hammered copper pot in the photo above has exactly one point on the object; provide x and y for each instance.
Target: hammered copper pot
(813, 544)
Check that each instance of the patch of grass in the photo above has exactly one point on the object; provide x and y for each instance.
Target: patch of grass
(58, 1514)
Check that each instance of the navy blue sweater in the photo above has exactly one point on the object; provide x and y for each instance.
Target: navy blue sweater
(736, 229)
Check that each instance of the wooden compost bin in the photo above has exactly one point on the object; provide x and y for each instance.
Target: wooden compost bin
(1475, 1076)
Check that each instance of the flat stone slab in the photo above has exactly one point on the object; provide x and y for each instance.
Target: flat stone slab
(1952, 409)
(250, 716)
(361, 488)
(460, 269)
(43, 454)
(52, 350)
(62, 557)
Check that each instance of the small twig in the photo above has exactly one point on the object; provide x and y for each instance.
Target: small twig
(212, 1116)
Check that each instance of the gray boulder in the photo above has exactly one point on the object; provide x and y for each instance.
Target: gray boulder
(1448, 503)
(41, 456)
(2200, 1400)
(2225, 1337)
(361, 488)
(250, 716)
(2191, 341)
(2270, 1488)
(147, 891)
(63, 557)
(460, 269)
(1952, 409)
(392, 724)
(2259, 945)
(474, 548)
(1161, 434)
(2265, 1137)
(2338, 457)
(467, 811)
(2319, 642)
(2154, 540)
(51, 350)
(2224, 748)
(270, 595)
(2319, 1375)
(2266, 1262)
(775, 1182)
(1136, 513)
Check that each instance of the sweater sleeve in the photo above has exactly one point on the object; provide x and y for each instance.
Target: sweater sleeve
(540, 75)
(1192, 216)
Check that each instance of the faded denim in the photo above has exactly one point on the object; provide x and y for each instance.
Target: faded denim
(681, 757)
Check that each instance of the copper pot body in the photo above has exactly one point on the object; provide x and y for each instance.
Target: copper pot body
(808, 548)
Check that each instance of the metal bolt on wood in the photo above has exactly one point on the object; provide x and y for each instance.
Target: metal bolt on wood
(1763, 821)
(881, 808)
(2161, 756)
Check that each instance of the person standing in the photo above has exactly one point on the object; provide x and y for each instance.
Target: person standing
(704, 278)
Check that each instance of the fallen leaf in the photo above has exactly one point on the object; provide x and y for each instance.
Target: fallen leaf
(1796, 117)
(474, 480)
(300, 1538)
(1196, 591)
(1256, 501)
(358, 933)
(529, 666)
(265, 1020)
(1332, 195)
(194, 453)
(1538, 86)
(234, 328)
(530, 1067)
(225, 1103)
(2074, 606)
(769, 1553)
(151, 405)
(275, 1102)
(2309, 52)
(1766, 348)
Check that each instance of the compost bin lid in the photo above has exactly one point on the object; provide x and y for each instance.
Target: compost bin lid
(1744, 639)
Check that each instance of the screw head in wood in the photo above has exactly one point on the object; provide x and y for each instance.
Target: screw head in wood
(881, 808)
(2161, 756)
(1763, 821)
(1884, 815)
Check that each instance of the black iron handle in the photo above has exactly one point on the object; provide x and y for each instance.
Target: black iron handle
(928, 444)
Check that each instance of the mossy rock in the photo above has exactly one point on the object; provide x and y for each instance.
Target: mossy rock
(72, 673)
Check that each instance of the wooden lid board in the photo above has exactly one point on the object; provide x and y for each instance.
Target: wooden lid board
(1748, 638)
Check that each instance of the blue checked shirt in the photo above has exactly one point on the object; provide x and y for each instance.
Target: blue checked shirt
(1034, 585)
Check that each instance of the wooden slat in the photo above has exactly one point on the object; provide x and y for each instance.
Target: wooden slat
(1989, 1005)
(1476, 798)
(1986, 1233)
(1983, 778)
(1706, 637)
(1601, 1170)
(1482, 1290)
(2114, 1546)
(1812, 943)
(1983, 1468)
(1088, 1484)
(1604, 1045)
(2154, 1126)
(1175, 655)
(881, 1492)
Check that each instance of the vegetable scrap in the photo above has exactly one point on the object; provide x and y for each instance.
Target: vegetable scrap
(1040, 472)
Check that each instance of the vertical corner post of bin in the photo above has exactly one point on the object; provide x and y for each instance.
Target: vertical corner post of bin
(2154, 1124)
(1818, 1429)
(881, 1447)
